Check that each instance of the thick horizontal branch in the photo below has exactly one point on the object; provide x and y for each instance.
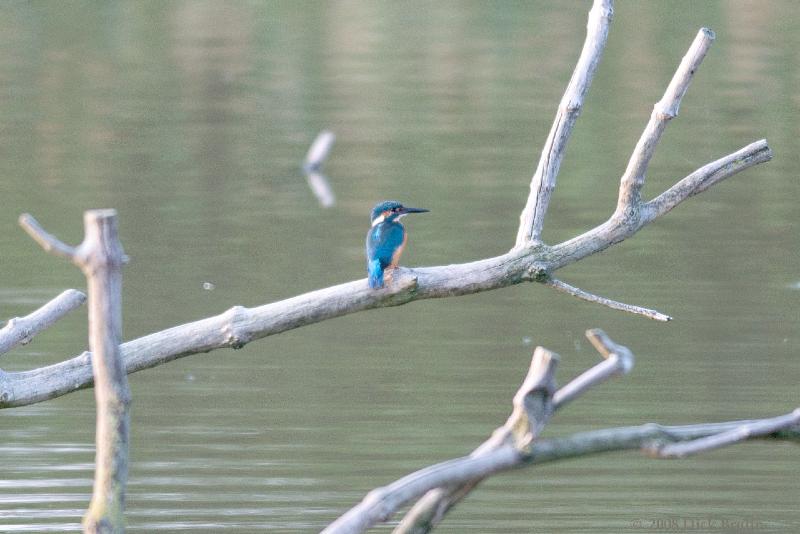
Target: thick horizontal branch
(20, 330)
(642, 438)
(619, 227)
(543, 181)
(238, 326)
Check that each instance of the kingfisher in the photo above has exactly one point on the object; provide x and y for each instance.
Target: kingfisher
(386, 239)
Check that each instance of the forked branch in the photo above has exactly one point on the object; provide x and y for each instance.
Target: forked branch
(431, 508)
(744, 431)
(530, 260)
(446, 483)
(533, 405)
(100, 257)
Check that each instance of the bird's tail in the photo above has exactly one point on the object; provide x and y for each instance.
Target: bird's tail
(375, 274)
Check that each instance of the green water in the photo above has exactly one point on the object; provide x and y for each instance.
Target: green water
(192, 118)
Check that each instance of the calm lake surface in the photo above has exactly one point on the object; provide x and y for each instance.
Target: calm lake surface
(192, 119)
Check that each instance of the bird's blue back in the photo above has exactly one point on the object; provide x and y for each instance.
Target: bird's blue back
(383, 240)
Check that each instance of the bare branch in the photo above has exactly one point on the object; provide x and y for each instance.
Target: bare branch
(544, 179)
(613, 304)
(448, 482)
(533, 261)
(532, 403)
(607, 347)
(238, 326)
(665, 110)
(47, 241)
(706, 176)
(21, 330)
(381, 503)
(431, 508)
(618, 361)
(532, 409)
(619, 228)
(748, 430)
(101, 260)
(576, 445)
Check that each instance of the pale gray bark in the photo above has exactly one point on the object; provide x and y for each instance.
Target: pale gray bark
(433, 506)
(532, 407)
(544, 178)
(665, 110)
(613, 304)
(100, 257)
(516, 444)
(21, 330)
(529, 261)
(744, 431)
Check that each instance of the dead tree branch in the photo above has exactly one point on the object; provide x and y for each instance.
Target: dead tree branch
(533, 405)
(529, 261)
(564, 287)
(745, 431)
(432, 507)
(100, 257)
(544, 179)
(665, 110)
(516, 444)
(21, 330)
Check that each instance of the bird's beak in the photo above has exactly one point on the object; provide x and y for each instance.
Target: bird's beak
(414, 210)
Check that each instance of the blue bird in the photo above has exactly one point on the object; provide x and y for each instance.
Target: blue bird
(386, 239)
